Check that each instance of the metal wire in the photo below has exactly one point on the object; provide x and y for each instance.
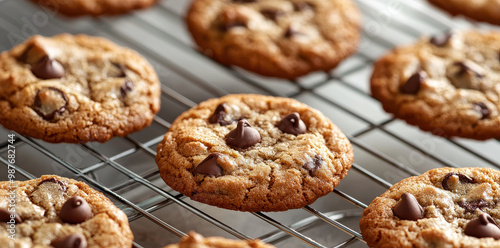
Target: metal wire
(164, 197)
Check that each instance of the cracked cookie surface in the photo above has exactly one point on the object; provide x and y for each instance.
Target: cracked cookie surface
(76, 89)
(254, 153)
(448, 84)
(58, 212)
(446, 207)
(278, 38)
(480, 10)
(74, 8)
(196, 240)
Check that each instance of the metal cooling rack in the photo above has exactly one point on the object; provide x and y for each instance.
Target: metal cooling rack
(386, 150)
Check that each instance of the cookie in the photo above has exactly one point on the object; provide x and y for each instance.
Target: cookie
(58, 212)
(76, 89)
(254, 153)
(447, 84)
(197, 240)
(446, 207)
(277, 38)
(75, 8)
(484, 11)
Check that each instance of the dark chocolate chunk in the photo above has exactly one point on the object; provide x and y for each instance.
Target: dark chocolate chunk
(408, 208)
(483, 227)
(441, 40)
(47, 104)
(470, 207)
(291, 31)
(292, 124)
(219, 115)
(6, 216)
(48, 68)
(243, 136)
(71, 241)
(127, 87)
(75, 210)
(463, 179)
(209, 166)
(302, 6)
(412, 85)
(62, 185)
(481, 108)
(224, 27)
(271, 14)
(466, 69)
(313, 166)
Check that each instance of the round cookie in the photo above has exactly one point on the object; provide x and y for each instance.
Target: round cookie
(254, 153)
(277, 38)
(447, 84)
(75, 8)
(445, 207)
(58, 212)
(479, 10)
(76, 89)
(196, 240)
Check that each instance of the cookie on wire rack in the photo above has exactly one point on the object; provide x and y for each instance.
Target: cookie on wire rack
(194, 239)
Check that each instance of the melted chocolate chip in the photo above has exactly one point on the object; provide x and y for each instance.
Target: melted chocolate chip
(271, 14)
(243, 136)
(313, 166)
(291, 32)
(75, 210)
(483, 227)
(461, 177)
(209, 166)
(481, 108)
(470, 207)
(6, 216)
(62, 185)
(48, 68)
(219, 115)
(224, 27)
(408, 208)
(127, 87)
(292, 124)
(71, 241)
(441, 40)
(412, 85)
(302, 6)
(47, 104)
(466, 69)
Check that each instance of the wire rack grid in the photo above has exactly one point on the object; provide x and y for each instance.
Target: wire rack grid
(386, 150)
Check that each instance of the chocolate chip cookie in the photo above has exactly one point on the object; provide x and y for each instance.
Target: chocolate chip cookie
(197, 240)
(58, 212)
(254, 153)
(480, 10)
(277, 38)
(76, 89)
(74, 8)
(448, 84)
(446, 207)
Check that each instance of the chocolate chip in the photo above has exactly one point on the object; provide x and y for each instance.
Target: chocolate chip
(470, 207)
(466, 69)
(483, 227)
(48, 68)
(219, 115)
(71, 241)
(118, 70)
(302, 6)
(292, 124)
(209, 166)
(461, 177)
(49, 102)
(6, 216)
(412, 85)
(243, 136)
(62, 185)
(408, 208)
(313, 166)
(271, 14)
(75, 210)
(127, 87)
(481, 108)
(441, 40)
(224, 27)
(291, 31)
